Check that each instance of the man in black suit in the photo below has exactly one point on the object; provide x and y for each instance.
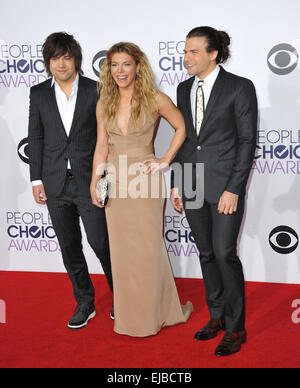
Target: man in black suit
(220, 111)
(62, 139)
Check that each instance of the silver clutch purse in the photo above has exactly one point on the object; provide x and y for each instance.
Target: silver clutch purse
(102, 190)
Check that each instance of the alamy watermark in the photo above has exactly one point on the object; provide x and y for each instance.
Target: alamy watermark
(2, 311)
(132, 181)
(296, 313)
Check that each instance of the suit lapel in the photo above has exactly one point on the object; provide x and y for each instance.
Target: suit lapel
(52, 103)
(82, 97)
(216, 91)
(188, 104)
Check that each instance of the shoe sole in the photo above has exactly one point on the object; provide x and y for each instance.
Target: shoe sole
(83, 324)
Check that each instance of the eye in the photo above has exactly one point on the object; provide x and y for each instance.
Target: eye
(283, 59)
(284, 240)
(23, 151)
(98, 61)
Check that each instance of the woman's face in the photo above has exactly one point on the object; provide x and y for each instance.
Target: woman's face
(124, 69)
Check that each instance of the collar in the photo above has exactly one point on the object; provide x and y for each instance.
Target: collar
(210, 79)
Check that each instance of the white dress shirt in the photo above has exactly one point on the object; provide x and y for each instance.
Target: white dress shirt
(66, 109)
(209, 82)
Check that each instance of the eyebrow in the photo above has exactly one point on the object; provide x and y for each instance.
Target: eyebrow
(192, 50)
(114, 62)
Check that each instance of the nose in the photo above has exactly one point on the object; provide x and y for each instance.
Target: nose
(121, 69)
(186, 58)
(61, 62)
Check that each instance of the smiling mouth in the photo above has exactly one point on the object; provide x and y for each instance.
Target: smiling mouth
(122, 78)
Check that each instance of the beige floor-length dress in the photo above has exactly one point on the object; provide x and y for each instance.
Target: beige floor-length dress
(145, 294)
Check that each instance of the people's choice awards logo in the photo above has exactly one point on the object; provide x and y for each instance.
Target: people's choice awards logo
(31, 232)
(284, 240)
(172, 69)
(23, 151)
(278, 152)
(98, 61)
(283, 59)
(179, 239)
(21, 65)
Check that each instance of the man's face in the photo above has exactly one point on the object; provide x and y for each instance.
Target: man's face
(63, 68)
(197, 60)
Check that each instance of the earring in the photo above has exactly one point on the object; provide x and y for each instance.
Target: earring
(137, 77)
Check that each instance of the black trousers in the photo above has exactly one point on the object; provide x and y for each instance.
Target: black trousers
(216, 238)
(65, 213)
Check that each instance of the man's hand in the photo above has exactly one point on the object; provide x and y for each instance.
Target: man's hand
(228, 203)
(39, 194)
(176, 200)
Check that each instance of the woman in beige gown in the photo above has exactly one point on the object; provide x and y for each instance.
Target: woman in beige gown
(145, 294)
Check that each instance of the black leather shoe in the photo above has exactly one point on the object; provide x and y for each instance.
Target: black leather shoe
(231, 343)
(211, 330)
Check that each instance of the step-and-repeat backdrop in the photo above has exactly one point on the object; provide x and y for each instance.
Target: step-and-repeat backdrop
(265, 48)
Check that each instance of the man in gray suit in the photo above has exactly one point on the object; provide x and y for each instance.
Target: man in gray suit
(220, 111)
(62, 139)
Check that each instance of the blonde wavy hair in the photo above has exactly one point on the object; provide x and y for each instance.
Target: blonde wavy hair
(143, 103)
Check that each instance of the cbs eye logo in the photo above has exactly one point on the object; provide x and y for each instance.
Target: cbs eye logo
(284, 240)
(23, 151)
(98, 61)
(283, 59)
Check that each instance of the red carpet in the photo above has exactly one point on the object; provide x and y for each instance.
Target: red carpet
(39, 305)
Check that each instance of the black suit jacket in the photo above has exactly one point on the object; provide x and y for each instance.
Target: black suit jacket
(227, 140)
(49, 146)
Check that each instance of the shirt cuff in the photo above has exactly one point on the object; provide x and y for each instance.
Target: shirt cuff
(36, 183)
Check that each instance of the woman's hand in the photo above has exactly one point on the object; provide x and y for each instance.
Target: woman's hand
(95, 199)
(154, 165)
(100, 156)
